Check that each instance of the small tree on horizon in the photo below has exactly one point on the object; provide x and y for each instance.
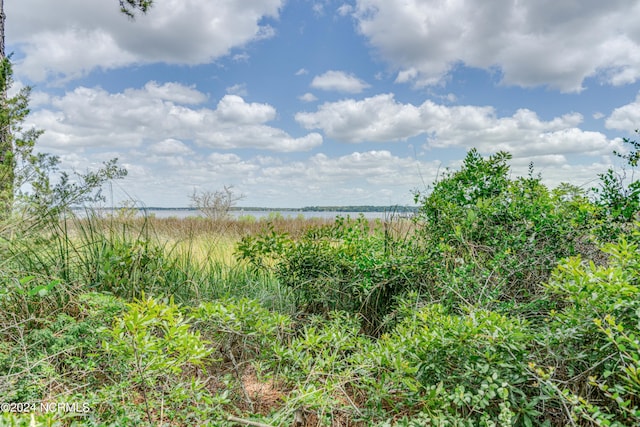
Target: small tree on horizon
(215, 205)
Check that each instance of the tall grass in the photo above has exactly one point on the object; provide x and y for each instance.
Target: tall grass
(190, 259)
(178, 228)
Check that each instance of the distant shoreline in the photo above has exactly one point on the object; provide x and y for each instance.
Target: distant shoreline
(351, 209)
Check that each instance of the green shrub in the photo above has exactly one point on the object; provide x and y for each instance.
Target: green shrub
(316, 365)
(156, 344)
(51, 344)
(492, 239)
(465, 369)
(98, 253)
(347, 266)
(242, 328)
(588, 353)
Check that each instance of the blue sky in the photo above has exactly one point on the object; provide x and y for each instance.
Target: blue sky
(327, 102)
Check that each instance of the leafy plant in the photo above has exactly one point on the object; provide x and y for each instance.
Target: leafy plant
(450, 368)
(157, 342)
(350, 265)
(588, 351)
(492, 239)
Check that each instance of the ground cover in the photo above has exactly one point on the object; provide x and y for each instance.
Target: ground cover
(501, 302)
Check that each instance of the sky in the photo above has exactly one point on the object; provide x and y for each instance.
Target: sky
(326, 102)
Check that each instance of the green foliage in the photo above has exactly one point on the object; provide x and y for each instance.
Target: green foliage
(469, 315)
(317, 364)
(27, 177)
(349, 266)
(47, 198)
(633, 156)
(263, 250)
(618, 197)
(619, 202)
(242, 328)
(492, 239)
(44, 341)
(93, 252)
(124, 267)
(455, 369)
(624, 390)
(158, 344)
(18, 163)
(588, 351)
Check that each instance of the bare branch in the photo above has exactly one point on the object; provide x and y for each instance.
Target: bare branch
(215, 205)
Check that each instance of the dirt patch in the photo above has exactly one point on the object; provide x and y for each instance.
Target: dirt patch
(263, 393)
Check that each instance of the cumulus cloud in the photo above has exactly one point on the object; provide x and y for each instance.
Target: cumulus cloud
(339, 81)
(170, 147)
(171, 91)
(553, 43)
(163, 115)
(382, 119)
(175, 31)
(625, 118)
(375, 177)
(361, 177)
(239, 89)
(368, 177)
(308, 97)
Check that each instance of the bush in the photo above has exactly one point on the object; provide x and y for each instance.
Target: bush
(492, 239)
(350, 266)
(452, 369)
(156, 345)
(589, 351)
(46, 348)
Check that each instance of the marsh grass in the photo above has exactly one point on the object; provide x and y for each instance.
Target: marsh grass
(191, 259)
(192, 226)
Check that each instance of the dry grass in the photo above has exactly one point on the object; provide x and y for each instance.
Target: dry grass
(203, 241)
(195, 226)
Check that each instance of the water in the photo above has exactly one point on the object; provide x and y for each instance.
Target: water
(184, 213)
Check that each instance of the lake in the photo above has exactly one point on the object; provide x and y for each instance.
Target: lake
(183, 213)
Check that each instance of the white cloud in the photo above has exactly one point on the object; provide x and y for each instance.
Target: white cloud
(308, 97)
(554, 43)
(368, 177)
(55, 54)
(345, 9)
(93, 117)
(174, 92)
(361, 177)
(339, 81)
(239, 89)
(174, 31)
(233, 109)
(375, 177)
(378, 118)
(382, 119)
(170, 147)
(625, 118)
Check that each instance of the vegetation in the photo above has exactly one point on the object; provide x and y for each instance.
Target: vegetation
(215, 205)
(498, 302)
(501, 302)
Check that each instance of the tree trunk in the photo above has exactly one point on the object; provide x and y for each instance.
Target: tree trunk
(6, 146)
